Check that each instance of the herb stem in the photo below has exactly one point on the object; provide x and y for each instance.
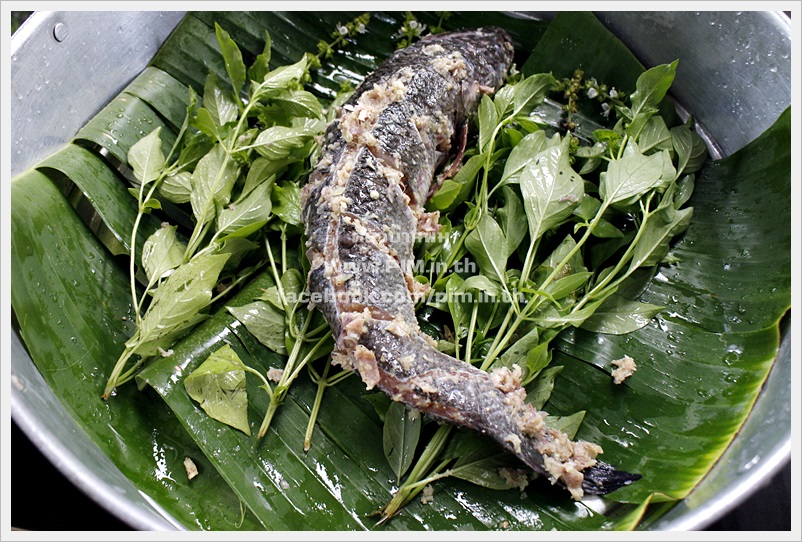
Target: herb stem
(602, 287)
(261, 376)
(277, 278)
(495, 344)
(116, 373)
(452, 256)
(283, 248)
(322, 383)
(275, 401)
(529, 260)
(471, 329)
(489, 322)
(237, 281)
(202, 225)
(277, 398)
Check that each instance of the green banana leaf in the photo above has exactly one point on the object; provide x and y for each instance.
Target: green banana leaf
(701, 364)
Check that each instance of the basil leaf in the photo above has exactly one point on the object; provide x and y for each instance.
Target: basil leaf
(685, 186)
(236, 248)
(477, 460)
(567, 424)
(596, 151)
(252, 211)
(218, 385)
(487, 117)
(176, 187)
(381, 403)
(574, 265)
(456, 307)
(295, 103)
(516, 354)
(658, 231)
(292, 282)
(271, 296)
(286, 198)
(177, 303)
(282, 77)
(400, 437)
(605, 230)
(523, 154)
(567, 285)
(204, 122)
(551, 189)
(488, 246)
(503, 100)
(456, 190)
(650, 89)
(619, 315)
(513, 219)
(481, 283)
(232, 58)
(263, 322)
(655, 135)
(551, 318)
(484, 471)
(146, 158)
(537, 359)
(631, 176)
(691, 149)
(212, 182)
(530, 92)
(261, 65)
(262, 170)
(278, 142)
(162, 253)
(219, 103)
(151, 204)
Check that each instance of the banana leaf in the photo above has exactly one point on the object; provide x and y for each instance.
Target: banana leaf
(111, 208)
(701, 364)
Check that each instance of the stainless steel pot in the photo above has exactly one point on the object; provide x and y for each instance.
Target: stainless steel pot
(736, 79)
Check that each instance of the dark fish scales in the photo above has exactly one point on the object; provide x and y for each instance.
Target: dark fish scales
(363, 208)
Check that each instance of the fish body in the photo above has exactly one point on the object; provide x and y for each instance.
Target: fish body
(363, 208)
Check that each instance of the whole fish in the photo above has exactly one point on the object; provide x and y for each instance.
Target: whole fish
(363, 208)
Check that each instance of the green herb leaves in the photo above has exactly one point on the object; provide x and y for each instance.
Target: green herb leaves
(218, 385)
(146, 158)
(204, 168)
(401, 434)
(551, 189)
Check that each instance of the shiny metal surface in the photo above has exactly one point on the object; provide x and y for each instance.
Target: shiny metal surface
(79, 60)
(734, 72)
(734, 76)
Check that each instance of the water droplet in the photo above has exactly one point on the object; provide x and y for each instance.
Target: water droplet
(751, 463)
(60, 32)
(733, 354)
